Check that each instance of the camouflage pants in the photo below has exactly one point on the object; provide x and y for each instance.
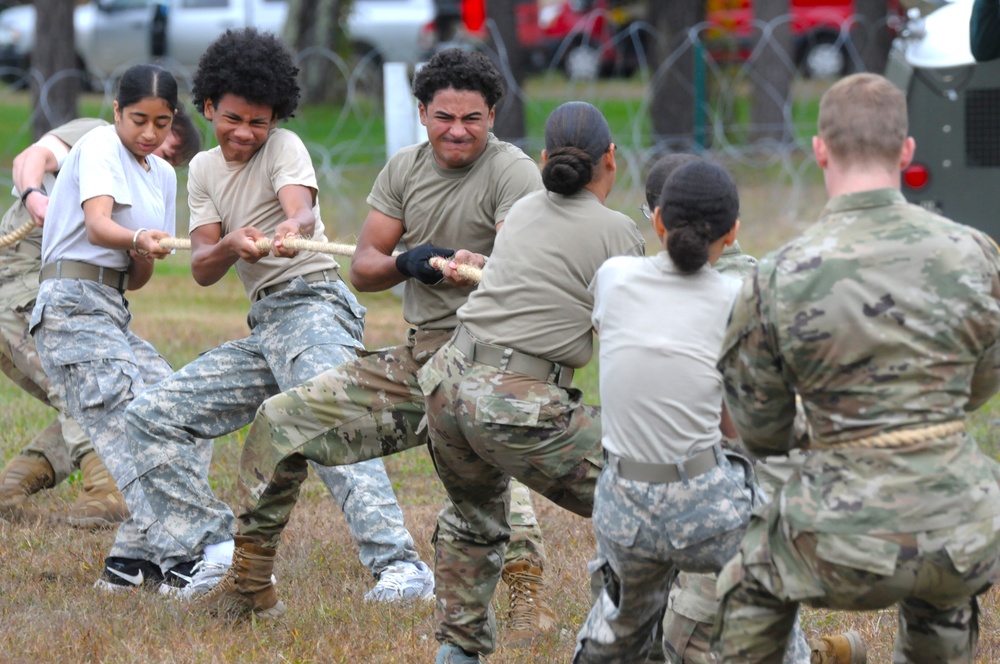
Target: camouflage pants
(933, 576)
(487, 426)
(98, 366)
(295, 334)
(692, 605)
(368, 408)
(645, 531)
(62, 442)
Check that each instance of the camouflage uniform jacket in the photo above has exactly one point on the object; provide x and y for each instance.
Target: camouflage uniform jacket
(882, 316)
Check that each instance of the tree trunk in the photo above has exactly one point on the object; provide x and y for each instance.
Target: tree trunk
(871, 35)
(675, 88)
(512, 59)
(315, 25)
(56, 86)
(771, 72)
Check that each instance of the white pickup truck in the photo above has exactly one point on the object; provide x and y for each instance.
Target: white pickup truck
(112, 35)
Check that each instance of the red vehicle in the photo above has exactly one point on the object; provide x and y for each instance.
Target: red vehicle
(590, 38)
(821, 32)
(577, 35)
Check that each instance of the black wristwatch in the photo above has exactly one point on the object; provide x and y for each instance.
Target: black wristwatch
(27, 192)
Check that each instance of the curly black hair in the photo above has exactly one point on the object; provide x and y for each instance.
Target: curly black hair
(458, 69)
(250, 64)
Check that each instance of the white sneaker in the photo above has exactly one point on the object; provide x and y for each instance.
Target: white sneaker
(403, 581)
(205, 576)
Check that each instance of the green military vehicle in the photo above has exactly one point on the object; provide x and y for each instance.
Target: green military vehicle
(954, 108)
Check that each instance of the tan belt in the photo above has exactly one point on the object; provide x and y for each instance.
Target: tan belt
(663, 473)
(508, 359)
(898, 438)
(28, 249)
(312, 277)
(79, 270)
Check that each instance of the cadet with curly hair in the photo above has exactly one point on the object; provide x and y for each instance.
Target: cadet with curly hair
(454, 190)
(259, 183)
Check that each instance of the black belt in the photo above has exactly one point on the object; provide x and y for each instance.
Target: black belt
(312, 277)
(662, 473)
(79, 270)
(508, 359)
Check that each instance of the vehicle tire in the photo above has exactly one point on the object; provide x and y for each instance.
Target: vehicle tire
(823, 56)
(582, 62)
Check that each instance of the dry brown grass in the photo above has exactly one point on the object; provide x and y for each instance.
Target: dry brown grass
(50, 613)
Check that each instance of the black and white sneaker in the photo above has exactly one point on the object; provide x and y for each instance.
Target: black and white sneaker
(122, 574)
(178, 577)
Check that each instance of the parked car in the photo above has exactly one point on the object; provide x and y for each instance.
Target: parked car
(114, 34)
(954, 104)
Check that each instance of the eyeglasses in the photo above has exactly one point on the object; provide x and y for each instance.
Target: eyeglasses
(645, 211)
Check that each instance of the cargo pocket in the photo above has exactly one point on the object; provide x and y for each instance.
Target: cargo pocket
(431, 375)
(100, 384)
(972, 544)
(509, 412)
(861, 552)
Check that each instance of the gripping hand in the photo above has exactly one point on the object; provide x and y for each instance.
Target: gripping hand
(415, 263)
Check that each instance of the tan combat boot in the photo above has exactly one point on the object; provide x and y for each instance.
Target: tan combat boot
(100, 504)
(24, 475)
(247, 588)
(529, 615)
(846, 648)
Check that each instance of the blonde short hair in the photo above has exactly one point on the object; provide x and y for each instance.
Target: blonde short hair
(862, 118)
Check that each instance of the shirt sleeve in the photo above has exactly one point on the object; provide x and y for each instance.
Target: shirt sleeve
(292, 164)
(517, 181)
(760, 400)
(387, 193)
(101, 171)
(202, 207)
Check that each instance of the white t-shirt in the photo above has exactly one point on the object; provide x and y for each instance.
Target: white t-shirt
(100, 165)
(660, 334)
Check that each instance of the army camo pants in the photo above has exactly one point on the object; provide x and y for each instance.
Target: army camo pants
(645, 531)
(295, 334)
(934, 576)
(488, 426)
(367, 408)
(62, 442)
(98, 366)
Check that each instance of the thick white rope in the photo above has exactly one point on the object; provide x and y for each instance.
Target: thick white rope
(17, 234)
(264, 244)
(337, 249)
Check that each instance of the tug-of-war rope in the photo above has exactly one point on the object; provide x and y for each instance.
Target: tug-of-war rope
(264, 244)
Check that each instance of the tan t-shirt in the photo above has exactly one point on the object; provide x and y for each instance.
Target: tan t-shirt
(534, 293)
(17, 215)
(244, 195)
(452, 208)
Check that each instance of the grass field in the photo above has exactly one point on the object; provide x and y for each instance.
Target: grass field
(50, 613)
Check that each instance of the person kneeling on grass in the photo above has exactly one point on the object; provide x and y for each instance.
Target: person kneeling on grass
(669, 496)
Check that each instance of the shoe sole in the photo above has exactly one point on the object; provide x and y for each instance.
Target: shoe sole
(113, 588)
(273, 612)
